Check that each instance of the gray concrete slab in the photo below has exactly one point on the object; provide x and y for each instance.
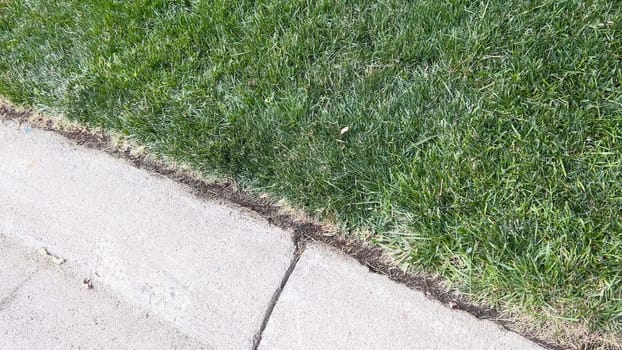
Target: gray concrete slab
(332, 302)
(209, 268)
(49, 309)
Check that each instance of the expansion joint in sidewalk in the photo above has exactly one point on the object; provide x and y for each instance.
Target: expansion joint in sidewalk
(299, 244)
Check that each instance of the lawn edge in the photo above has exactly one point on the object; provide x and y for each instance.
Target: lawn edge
(551, 335)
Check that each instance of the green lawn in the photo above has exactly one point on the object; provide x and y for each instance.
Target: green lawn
(484, 140)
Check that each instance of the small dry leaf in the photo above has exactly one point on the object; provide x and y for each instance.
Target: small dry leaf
(55, 259)
(344, 130)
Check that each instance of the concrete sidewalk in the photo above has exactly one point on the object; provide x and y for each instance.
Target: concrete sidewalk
(43, 306)
(170, 270)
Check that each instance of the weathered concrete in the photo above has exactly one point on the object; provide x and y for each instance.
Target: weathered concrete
(209, 269)
(43, 307)
(333, 302)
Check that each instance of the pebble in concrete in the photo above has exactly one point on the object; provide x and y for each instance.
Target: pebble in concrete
(41, 307)
(332, 302)
(209, 269)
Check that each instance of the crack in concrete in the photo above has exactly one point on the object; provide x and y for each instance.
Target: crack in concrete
(299, 244)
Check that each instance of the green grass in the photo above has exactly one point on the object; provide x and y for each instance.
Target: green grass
(484, 142)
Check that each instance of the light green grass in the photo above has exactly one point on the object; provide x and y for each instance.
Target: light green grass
(484, 142)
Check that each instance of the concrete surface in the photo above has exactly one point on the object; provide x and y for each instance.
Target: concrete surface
(332, 302)
(209, 269)
(42, 307)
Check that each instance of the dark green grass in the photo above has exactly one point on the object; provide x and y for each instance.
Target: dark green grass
(484, 142)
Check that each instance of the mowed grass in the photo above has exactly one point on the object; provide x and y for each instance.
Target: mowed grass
(484, 138)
